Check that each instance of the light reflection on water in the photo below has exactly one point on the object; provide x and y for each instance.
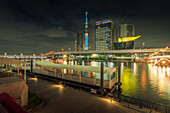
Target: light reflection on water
(141, 80)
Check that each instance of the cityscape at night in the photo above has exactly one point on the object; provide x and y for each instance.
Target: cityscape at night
(72, 56)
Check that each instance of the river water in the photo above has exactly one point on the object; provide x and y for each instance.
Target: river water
(141, 80)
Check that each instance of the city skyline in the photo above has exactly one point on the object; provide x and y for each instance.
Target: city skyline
(41, 26)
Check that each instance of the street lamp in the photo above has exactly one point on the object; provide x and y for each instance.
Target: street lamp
(89, 47)
(62, 49)
(163, 50)
(69, 49)
(143, 44)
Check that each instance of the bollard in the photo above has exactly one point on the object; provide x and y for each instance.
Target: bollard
(31, 66)
(102, 77)
(150, 109)
(119, 76)
(140, 104)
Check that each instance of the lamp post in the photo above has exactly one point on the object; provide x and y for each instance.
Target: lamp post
(69, 49)
(143, 44)
(62, 49)
(163, 51)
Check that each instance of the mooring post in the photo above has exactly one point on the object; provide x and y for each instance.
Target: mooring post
(102, 76)
(119, 81)
(119, 76)
(31, 65)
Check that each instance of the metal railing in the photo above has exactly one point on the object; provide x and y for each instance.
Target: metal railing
(129, 101)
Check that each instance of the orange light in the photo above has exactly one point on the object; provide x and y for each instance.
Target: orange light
(58, 86)
(163, 62)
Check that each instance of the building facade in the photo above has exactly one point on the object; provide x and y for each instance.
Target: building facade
(126, 30)
(124, 37)
(79, 42)
(104, 35)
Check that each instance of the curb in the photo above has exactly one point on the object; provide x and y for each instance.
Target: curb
(37, 107)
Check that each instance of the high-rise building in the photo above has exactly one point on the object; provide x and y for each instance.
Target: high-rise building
(79, 42)
(104, 35)
(125, 37)
(126, 30)
(86, 34)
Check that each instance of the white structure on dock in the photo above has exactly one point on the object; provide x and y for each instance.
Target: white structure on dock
(83, 74)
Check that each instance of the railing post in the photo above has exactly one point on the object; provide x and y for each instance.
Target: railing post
(119, 75)
(119, 96)
(166, 111)
(140, 104)
(31, 66)
(102, 76)
(150, 109)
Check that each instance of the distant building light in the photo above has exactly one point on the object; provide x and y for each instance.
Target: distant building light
(102, 22)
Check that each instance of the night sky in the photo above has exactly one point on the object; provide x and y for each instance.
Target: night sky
(39, 26)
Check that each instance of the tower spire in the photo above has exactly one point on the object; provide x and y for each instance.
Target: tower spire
(86, 33)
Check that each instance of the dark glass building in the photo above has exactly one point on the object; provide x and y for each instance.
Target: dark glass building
(123, 45)
(79, 42)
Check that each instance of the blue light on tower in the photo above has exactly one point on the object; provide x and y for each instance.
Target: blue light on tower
(86, 33)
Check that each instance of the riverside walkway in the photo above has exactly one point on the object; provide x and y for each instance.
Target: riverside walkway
(59, 99)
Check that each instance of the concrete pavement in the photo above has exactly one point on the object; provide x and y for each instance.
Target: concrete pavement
(61, 99)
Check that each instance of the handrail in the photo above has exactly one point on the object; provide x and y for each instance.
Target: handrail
(11, 106)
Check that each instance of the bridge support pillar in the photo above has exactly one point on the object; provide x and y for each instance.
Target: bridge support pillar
(18, 69)
(1, 68)
(31, 66)
(132, 58)
(54, 71)
(6, 67)
(11, 68)
(102, 76)
(25, 71)
(119, 76)
(106, 57)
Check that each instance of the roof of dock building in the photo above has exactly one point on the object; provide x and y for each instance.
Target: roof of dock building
(10, 61)
(107, 70)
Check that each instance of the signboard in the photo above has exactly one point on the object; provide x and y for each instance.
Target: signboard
(93, 91)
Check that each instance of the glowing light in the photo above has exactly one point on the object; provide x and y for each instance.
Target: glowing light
(57, 86)
(163, 62)
(168, 71)
(126, 39)
(102, 22)
(64, 56)
(159, 71)
(35, 79)
(107, 100)
(94, 55)
(134, 69)
(65, 62)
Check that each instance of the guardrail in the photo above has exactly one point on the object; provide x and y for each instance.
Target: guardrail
(140, 103)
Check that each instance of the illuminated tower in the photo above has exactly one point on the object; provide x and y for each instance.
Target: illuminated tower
(86, 34)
